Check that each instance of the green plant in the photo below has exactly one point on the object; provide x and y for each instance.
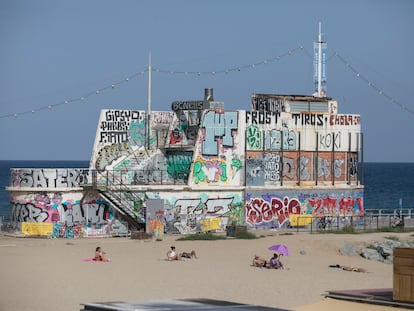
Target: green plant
(393, 238)
(245, 235)
(390, 229)
(202, 237)
(348, 229)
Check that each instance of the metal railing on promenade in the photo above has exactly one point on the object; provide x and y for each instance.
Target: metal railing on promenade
(367, 222)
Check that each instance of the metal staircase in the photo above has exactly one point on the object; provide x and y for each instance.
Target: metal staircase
(113, 191)
(135, 221)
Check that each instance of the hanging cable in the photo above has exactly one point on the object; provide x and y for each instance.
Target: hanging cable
(75, 100)
(231, 69)
(212, 73)
(372, 85)
(156, 70)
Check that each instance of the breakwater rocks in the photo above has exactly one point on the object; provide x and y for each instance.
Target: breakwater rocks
(378, 250)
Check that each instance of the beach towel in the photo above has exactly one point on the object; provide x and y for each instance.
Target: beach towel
(92, 259)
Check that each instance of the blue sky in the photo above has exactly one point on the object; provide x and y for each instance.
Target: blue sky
(56, 51)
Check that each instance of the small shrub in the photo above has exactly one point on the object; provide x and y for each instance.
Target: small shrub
(393, 238)
(202, 237)
(245, 235)
(390, 229)
(348, 229)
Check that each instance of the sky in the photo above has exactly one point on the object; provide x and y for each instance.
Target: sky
(57, 51)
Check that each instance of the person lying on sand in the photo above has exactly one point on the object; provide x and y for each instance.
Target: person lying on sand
(259, 262)
(189, 255)
(173, 255)
(348, 268)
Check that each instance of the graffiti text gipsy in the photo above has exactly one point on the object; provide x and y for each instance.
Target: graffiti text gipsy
(114, 129)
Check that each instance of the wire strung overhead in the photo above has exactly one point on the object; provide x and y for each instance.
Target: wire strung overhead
(233, 69)
(215, 72)
(156, 70)
(372, 85)
(78, 99)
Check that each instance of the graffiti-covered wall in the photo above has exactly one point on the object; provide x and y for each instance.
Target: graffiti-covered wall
(72, 213)
(49, 178)
(227, 148)
(119, 133)
(273, 208)
(219, 156)
(126, 146)
(190, 212)
(201, 168)
(309, 148)
(278, 168)
(275, 131)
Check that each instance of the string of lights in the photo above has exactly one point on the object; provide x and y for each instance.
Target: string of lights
(155, 70)
(372, 85)
(78, 99)
(200, 73)
(233, 69)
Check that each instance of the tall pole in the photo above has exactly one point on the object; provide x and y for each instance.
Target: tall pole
(149, 103)
(320, 60)
(149, 85)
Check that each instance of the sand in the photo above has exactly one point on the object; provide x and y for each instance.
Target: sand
(50, 274)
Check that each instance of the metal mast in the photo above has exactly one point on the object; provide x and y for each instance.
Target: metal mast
(149, 85)
(149, 103)
(320, 60)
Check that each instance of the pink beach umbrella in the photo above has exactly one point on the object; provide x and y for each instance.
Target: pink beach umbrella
(280, 248)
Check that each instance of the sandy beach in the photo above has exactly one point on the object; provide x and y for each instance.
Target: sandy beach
(51, 274)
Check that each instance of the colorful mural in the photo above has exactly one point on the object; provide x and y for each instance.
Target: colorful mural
(218, 158)
(50, 178)
(273, 209)
(201, 168)
(270, 169)
(186, 212)
(70, 216)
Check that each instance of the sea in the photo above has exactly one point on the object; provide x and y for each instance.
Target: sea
(387, 185)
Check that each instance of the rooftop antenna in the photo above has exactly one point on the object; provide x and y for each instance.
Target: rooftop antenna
(149, 103)
(149, 85)
(320, 65)
(319, 60)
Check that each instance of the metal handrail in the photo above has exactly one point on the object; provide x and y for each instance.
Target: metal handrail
(116, 190)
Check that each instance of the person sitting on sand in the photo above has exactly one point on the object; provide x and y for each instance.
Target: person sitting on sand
(172, 254)
(100, 255)
(275, 263)
(259, 262)
(189, 255)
